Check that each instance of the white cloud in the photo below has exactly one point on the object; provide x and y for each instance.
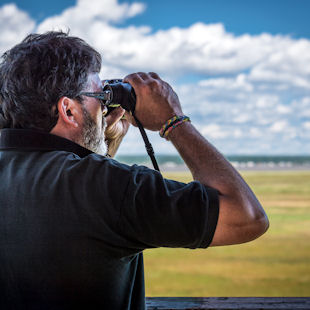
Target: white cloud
(85, 16)
(283, 109)
(266, 101)
(208, 49)
(287, 65)
(200, 48)
(302, 107)
(306, 125)
(279, 126)
(255, 132)
(239, 83)
(214, 131)
(242, 118)
(15, 25)
(274, 61)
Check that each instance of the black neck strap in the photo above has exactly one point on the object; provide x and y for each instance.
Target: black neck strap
(148, 145)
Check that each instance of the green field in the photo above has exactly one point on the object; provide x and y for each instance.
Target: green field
(277, 264)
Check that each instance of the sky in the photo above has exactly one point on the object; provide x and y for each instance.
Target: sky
(241, 68)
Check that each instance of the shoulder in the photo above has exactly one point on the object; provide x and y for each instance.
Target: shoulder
(95, 166)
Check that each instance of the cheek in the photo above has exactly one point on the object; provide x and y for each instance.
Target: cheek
(98, 117)
(101, 121)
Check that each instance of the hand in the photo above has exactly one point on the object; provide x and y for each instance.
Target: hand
(116, 129)
(156, 100)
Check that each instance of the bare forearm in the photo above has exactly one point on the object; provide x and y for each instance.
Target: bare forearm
(239, 207)
(206, 164)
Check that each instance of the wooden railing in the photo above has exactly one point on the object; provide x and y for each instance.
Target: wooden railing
(214, 303)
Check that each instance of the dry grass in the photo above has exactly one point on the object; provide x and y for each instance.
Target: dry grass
(277, 264)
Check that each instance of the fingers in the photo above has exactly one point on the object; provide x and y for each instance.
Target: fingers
(137, 78)
(154, 75)
(155, 100)
(133, 79)
(117, 127)
(114, 116)
(130, 119)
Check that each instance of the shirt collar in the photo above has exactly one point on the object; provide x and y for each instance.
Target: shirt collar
(35, 140)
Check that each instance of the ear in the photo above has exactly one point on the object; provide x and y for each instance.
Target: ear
(69, 112)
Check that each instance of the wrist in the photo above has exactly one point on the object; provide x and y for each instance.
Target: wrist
(179, 131)
(172, 124)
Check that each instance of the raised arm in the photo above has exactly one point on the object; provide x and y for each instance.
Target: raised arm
(241, 217)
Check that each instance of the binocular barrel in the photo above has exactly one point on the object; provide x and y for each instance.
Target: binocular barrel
(122, 94)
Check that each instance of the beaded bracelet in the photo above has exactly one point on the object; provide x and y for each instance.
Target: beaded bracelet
(170, 121)
(171, 124)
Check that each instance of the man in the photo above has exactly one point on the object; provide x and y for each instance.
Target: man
(73, 222)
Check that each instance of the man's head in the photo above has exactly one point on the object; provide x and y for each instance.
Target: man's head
(39, 74)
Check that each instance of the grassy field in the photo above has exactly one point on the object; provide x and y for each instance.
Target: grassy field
(277, 264)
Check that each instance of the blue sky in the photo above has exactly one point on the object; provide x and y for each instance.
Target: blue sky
(239, 16)
(241, 68)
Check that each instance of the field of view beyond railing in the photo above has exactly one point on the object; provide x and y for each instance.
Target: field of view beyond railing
(277, 264)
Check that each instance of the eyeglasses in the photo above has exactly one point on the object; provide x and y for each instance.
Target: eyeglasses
(105, 98)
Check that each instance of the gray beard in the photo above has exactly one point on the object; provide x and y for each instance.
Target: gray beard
(92, 135)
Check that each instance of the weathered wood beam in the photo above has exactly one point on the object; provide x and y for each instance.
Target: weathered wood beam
(215, 303)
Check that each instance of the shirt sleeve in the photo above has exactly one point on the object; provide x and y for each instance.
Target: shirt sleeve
(158, 212)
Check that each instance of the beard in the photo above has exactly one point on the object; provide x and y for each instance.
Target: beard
(93, 135)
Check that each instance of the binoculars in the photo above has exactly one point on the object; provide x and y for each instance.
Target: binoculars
(117, 93)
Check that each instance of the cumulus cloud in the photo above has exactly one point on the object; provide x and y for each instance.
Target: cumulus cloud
(248, 119)
(14, 24)
(205, 49)
(279, 126)
(306, 125)
(252, 94)
(287, 65)
(83, 16)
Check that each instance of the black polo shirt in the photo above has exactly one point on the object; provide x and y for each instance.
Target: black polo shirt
(73, 224)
